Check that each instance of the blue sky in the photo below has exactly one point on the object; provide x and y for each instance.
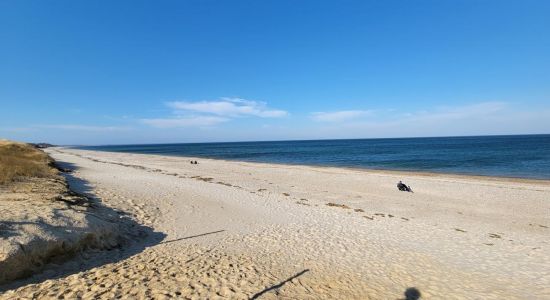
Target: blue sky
(115, 72)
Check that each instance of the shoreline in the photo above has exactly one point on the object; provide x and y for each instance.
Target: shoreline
(240, 229)
(494, 178)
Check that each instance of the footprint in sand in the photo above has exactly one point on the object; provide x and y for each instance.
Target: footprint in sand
(338, 205)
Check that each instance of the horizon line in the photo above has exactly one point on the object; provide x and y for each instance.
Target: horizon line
(302, 140)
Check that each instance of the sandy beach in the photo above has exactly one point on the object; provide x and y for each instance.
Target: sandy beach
(237, 230)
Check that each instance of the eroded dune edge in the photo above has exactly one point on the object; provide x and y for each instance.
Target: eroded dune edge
(238, 230)
(43, 221)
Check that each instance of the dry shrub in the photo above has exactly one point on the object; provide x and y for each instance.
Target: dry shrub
(18, 161)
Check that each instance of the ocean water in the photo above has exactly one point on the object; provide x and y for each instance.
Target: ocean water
(522, 156)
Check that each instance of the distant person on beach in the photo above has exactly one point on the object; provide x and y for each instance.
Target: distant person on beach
(403, 187)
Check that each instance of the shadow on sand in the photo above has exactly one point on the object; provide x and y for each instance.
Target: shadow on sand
(191, 236)
(279, 285)
(412, 293)
(135, 237)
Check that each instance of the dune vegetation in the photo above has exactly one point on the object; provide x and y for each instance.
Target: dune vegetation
(19, 161)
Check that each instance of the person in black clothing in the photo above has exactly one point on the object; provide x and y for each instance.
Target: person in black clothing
(403, 187)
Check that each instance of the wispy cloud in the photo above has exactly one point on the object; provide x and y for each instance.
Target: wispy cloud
(434, 115)
(339, 116)
(490, 117)
(16, 129)
(211, 113)
(193, 121)
(229, 107)
(76, 127)
(66, 127)
(458, 112)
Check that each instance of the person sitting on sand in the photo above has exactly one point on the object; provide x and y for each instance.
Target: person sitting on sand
(403, 187)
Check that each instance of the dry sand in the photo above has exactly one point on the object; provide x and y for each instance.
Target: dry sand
(246, 230)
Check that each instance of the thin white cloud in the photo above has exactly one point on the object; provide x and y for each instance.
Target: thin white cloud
(459, 112)
(339, 116)
(211, 113)
(228, 107)
(16, 129)
(193, 121)
(445, 113)
(494, 117)
(76, 127)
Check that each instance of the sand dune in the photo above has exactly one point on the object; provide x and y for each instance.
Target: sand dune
(247, 230)
(43, 221)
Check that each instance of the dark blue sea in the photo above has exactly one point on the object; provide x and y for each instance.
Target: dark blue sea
(523, 156)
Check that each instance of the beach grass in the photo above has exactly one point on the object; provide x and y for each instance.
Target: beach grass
(19, 161)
